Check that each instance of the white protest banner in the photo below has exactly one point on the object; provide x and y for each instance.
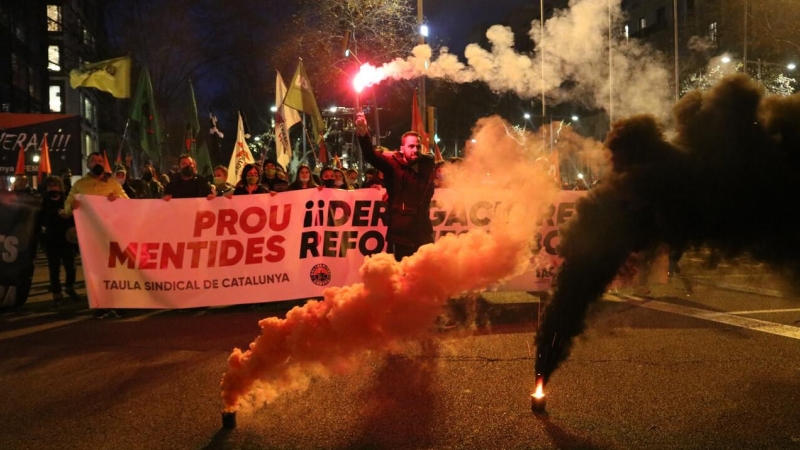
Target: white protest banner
(189, 253)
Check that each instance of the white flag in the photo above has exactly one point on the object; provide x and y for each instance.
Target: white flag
(241, 155)
(284, 119)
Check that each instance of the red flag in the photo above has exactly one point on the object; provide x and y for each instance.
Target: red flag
(323, 150)
(119, 157)
(417, 125)
(105, 163)
(20, 161)
(44, 160)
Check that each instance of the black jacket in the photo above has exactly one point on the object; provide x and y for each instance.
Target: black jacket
(410, 189)
(195, 188)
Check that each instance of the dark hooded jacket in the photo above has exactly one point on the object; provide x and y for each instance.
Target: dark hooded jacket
(410, 189)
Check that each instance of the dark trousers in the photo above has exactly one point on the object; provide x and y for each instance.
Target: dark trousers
(58, 254)
(400, 251)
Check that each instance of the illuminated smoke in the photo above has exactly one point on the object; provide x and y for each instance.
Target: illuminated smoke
(399, 302)
(574, 49)
(722, 183)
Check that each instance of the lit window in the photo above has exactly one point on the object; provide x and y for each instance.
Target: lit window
(88, 39)
(627, 32)
(54, 58)
(88, 110)
(55, 98)
(712, 32)
(642, 23)
(53, 18)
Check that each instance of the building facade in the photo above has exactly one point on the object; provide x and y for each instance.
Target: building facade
(740, 33)
(43, 40)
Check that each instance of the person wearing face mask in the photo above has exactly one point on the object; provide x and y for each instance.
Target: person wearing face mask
(340, 180)
(352, 178)
(186, 184)
(121, 177)
(95, 182)
(151, 188)
(409, 174)
(327, 177)
(221, 185)
(303, 180)
(270, 179)
(249, 183)
(54, 240)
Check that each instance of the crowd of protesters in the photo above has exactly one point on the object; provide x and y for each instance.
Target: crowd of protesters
(406, 184)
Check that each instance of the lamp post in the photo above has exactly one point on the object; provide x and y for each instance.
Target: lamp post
(423, 32)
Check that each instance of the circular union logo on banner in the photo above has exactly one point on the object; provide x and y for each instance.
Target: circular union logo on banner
(320, 275)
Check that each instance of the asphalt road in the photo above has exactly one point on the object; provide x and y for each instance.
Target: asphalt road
(710, 360)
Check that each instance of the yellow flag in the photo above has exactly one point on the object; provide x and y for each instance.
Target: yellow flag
(112, 76)
(300, 96)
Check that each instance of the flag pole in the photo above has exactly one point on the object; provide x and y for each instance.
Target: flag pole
(305, 132)
(307, 136)
(124, 136)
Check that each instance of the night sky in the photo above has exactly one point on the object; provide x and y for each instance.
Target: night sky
(452, 22)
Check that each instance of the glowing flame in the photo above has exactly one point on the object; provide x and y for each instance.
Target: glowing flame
(367, 76)
(539, 393)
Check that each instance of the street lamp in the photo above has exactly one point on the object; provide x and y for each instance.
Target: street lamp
(527, 116)
(791, 66)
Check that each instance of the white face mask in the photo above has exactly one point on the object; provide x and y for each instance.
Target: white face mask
(304, 179)
(338, 183)
(219, 181)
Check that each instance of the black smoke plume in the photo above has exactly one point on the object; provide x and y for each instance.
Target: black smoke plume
(724, 182)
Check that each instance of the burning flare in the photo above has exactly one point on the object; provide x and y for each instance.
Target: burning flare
(539, 392)
(367, 76)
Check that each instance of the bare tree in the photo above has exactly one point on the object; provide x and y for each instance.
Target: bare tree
(774, 28)
(375, 31)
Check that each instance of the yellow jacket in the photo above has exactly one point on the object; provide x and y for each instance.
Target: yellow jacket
(90, 185)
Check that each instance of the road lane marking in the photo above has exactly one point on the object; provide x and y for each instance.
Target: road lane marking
(39, 328)
(764, 311)
(713, 316)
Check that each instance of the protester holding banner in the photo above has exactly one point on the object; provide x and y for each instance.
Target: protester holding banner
(151, 188)
(352, 178)
(270, 179)
(121, 177)
(372, 178)
(187, 184)
(95, 182)
(221, 185)
(249, 183)
(54, 240)
(326, 177)
(340, 180)
(303, 180)
(409, 176)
